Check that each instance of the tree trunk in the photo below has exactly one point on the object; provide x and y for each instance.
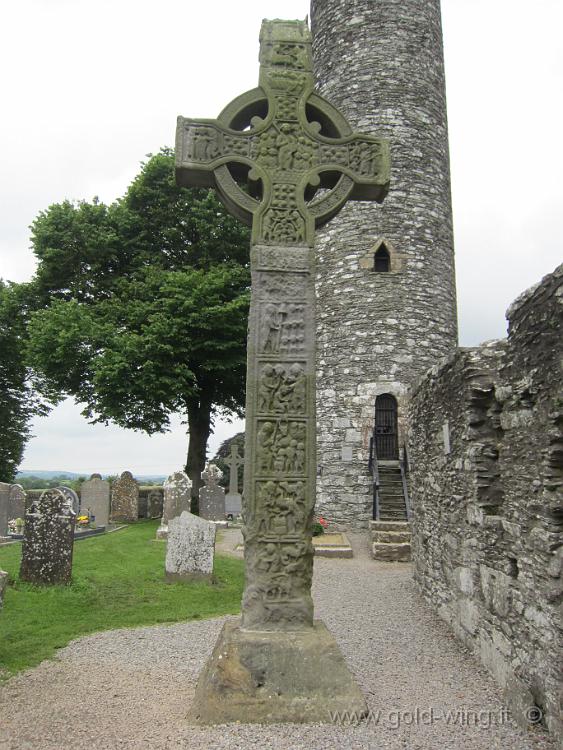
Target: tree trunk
(199, 428)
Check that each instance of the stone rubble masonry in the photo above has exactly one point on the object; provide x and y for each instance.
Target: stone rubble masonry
(125, 499)
(190, 548)
(486, 474)
(48, 540)
(95, 497)
(381, 64)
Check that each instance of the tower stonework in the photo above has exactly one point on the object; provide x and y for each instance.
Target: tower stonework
(386, 302)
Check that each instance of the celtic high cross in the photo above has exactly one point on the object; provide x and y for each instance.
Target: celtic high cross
(285, 161)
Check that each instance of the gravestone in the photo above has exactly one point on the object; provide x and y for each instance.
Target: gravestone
(48, 539)
(125, 499)
(3, 585)
(212, 495)
(94, 498)
(4, 508)
(155, 502)
(17, 502)
(233, 499)
(190, 548)
(268, 154)
(72, 497)
(177, 498)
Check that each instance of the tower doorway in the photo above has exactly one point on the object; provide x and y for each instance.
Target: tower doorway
(386, 432)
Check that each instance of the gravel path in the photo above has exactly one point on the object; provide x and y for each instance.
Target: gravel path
(131, 688)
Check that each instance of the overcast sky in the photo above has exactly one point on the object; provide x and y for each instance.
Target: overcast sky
(89, 88)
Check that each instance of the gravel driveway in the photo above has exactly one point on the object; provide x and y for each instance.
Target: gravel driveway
(132, 688)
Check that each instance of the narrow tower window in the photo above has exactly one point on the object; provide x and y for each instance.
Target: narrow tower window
(382, 260)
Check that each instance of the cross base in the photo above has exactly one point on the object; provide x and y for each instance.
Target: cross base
(269, 677)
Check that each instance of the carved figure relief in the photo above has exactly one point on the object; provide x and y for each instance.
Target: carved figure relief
(286, 80)
(280, 509)
(201, 143)
(271, 284)
(291, 259)
(281, 447)
(284, 54)
(282, 328)
(282, 389)
(363, 157)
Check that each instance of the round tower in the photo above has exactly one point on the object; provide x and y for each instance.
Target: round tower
(386, 303)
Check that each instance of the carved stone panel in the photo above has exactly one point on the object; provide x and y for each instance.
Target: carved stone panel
(282, 388)
(281, 447)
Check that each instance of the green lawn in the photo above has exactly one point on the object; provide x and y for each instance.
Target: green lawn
(118, 581)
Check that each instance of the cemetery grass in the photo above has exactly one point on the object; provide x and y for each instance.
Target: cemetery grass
(118, 582)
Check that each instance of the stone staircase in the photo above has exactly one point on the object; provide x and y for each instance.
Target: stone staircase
(391, 496)
(391, 541)
(391, 534)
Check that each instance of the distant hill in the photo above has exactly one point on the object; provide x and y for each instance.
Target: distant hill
(40, 474)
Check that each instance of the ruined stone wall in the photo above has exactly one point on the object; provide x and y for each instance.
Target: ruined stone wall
(381, 63)
(486, 472)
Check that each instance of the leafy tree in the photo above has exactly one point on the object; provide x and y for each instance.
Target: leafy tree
(144, 306)
(18, 399)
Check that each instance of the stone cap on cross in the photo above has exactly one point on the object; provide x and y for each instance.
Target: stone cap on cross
(281, 157)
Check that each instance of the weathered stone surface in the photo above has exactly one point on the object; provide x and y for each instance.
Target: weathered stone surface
(269, 130)
(212, 495)
(95, 498)
(275, 677)
(177, 499)
(391, 552)
(155, 502)
(4, 507)
(72, 497)
(125, 498)
(3, 585)
(190, 548)
(381, 64)
(487, 523)
(48, 540)
(17, 502)
(233, 498)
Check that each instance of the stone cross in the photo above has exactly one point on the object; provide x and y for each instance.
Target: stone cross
(285, 161)
(233, 462)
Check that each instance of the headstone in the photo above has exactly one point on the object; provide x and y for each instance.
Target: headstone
(48, 539)
(125, 499)
(190, 548)
(177, 497)
(17, 502)
(291, 142)
(212, 495)
(233, 499)
(94, 499)
(155, 502)
(3, 585)
(4, 508)
(72, 497)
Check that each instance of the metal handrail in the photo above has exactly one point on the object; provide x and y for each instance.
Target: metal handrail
(404, 465)
(374, 469)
